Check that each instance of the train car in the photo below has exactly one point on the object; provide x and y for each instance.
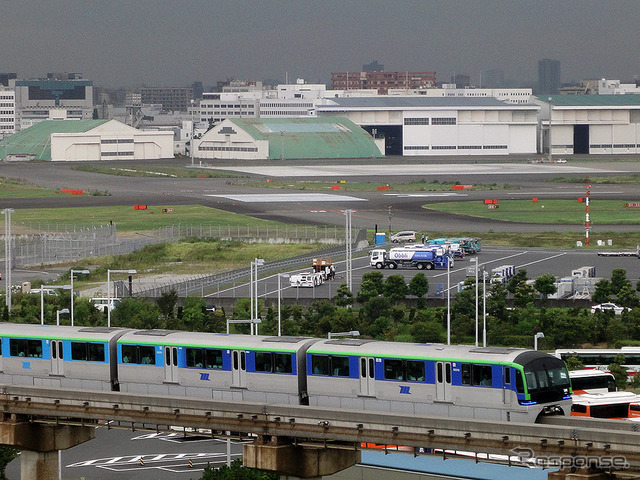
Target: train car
(214, 366)
(66, 357)
(494, 383)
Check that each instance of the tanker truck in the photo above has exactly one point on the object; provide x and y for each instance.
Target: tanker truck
(426, 258)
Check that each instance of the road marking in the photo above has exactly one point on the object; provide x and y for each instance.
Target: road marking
(290, 197)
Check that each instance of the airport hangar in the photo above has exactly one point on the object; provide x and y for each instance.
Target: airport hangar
(589, 124)
(86, 140)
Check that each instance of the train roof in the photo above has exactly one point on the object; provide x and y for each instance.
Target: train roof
(214, 340)
(419, 350)
(22, 330)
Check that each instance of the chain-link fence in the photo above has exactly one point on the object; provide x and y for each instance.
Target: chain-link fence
(64, 244)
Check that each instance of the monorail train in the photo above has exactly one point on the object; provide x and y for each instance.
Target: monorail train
(492, 383)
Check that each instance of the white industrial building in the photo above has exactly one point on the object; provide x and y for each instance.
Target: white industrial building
(511, 95)
(615, 87)
(437, 126)
(7, 112)
(589, 124)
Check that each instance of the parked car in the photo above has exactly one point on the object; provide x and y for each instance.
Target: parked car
(404, 237)
(605, 307)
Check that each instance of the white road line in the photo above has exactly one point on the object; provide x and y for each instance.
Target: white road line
(290, 197)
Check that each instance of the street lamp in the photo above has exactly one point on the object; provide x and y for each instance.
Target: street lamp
(258, 262)
(192, 130)
(109, 306)
(285, 275)
(7, 255)
(448, 302)
(86, 272)
(535, 339)
(58, 312)
(42, 289)
(475, 260)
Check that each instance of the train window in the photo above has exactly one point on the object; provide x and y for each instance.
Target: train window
(363, 367)
(235, 360)
(140, 354)
(167, 356)
(243, 361)
(282, 362)
(85, 351)
(204, 358)
(634, 407)
(371, 368)
(21, 347)
(439, 368)
(466, 374)
(340, 366)
(60, 352)
(579, 408)
(393, 370)
(264, 362)
(448, 373)
(507, 375)
(481, 375)
(320, 365)
(519, 382)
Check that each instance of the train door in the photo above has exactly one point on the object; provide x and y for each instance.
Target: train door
(239, 367)
(506, 385)
(443, 382)
(367, 376)
(57, 358)
(171, 364)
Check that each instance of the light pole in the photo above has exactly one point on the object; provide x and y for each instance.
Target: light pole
(475, 260)
(7, 255)
(448, 302)
(42, 289)
(258, 262)
(285, 275)
(109, 306)
(192, 130)
(535, 339)
(484, 309)
(58, 312)
(86, 272)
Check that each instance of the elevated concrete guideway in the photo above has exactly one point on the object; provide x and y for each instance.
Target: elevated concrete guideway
(305, 441)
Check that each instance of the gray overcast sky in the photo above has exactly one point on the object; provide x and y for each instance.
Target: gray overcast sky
(175, 42)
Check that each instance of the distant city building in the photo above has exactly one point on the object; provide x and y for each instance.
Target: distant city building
(38, 100)
(5, 77)
(373, 67)
(197, 90)
(7, 112)
(548, 76)
(382, 81)
(585, 87)
(615, 87)
(493, 78)
(461, 80)
(511, 95)
(171, 98)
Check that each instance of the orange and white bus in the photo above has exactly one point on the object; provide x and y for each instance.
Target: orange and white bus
(604, 405)
(591, 381)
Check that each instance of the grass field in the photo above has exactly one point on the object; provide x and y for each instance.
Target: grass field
(569, 212)
(12, 188)
(128, 219)
(156, 171)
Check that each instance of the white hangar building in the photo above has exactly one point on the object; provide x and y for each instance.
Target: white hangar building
(589, 124)
(423, 126)
(88, 140)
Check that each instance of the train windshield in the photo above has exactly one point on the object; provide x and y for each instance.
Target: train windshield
(547, 379)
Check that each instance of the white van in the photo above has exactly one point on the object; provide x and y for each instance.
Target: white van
(102, 303)
(46, 291)
(404, 237)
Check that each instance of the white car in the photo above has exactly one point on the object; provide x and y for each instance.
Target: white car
(604, 307)
(403, 237)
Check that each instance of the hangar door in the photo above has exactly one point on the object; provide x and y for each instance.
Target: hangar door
(392, 137)
(580, 139)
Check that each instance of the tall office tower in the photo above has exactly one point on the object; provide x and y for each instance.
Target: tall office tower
(548, 76)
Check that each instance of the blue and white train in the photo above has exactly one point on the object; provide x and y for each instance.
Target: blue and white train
(494, 383)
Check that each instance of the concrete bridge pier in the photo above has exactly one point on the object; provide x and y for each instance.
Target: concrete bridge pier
(579, 474)
(40, 444)
(279, 454)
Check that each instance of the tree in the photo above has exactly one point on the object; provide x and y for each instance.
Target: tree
(419, 287)
(602, 291)
(545, 285)
(574, 363)
(237, 472)
(627, 297)
(619, 372)
(523, 294)
(518, 279)
(167, 302)
(619, 280)
(343, 296)
(395, 288)
(7, 454)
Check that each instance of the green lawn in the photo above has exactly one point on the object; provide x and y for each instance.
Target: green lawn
(128, 219)
(156, 171)
(349, 186)
(570, 212)
(12, 188)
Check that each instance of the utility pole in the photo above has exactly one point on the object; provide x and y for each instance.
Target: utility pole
(7, 255)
